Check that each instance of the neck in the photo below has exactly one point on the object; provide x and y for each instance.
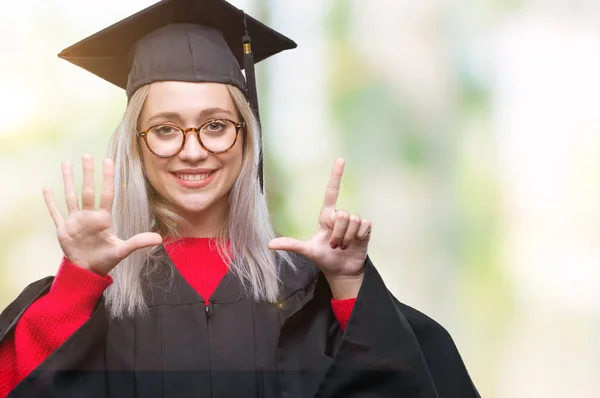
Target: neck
(205, 224)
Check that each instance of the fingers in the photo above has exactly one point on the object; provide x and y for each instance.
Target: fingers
(291, 245)
(87, 191)
(342, 219)
(108, 186)
(348, 229)
(364, 231)
(350, 234)
(69, 184)
(54, 212)
(145, 239)
(333, 187)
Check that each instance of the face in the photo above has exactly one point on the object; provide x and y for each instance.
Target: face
(196, 182)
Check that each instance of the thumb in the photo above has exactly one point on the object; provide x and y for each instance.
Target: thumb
(290, 245)
(145, 239)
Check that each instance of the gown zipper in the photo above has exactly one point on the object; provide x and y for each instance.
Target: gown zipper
(208, 310)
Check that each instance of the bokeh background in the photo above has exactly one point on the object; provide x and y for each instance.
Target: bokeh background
(471, 132)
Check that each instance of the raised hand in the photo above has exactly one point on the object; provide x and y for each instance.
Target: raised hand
(87, 236)
(339, 245)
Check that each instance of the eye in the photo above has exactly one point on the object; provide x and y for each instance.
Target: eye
(215, 125)
(164, 129)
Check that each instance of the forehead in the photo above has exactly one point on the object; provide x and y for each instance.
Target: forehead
(186, 99)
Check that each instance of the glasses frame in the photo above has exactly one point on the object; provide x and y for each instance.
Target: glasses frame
(238, 127)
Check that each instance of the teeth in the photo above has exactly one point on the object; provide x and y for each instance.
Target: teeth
(193, 177)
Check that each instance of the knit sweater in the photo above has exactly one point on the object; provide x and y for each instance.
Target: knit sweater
(54, 317)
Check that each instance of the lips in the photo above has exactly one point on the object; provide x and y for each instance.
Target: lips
(193, 171)
(194, 178)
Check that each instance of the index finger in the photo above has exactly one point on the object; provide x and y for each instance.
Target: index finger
(333, 187)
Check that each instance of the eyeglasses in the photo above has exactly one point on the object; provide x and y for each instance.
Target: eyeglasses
(216, 136)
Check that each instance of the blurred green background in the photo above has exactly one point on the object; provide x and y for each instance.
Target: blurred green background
(471, 136)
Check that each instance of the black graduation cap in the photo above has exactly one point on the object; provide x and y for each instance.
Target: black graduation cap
(182, 40)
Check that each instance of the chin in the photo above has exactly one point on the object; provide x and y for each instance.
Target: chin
(198, 204)
(194, 207)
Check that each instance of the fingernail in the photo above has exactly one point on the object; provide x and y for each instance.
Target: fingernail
(343, 247)
(334, 245)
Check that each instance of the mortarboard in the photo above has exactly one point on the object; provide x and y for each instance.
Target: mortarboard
(182, 40)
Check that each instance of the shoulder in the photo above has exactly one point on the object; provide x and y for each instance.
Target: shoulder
(426, 329)
(436, 343)
(24, 300)
(444, 361)
(374, 293)
(36, 288)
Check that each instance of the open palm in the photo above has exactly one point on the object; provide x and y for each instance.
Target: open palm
(87, 236)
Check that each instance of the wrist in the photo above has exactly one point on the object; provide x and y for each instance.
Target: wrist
(91, 269)
(345, 287)
(86, 266)
(78, 287)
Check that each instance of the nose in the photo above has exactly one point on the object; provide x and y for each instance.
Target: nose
(192, 150)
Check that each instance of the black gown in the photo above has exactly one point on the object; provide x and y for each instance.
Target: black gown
(237, 347)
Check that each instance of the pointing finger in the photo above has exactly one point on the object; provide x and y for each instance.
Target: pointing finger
(333, 187)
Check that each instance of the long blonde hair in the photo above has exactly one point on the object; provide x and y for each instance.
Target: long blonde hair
(139, 208)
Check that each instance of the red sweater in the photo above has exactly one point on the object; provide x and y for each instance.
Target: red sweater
(53, 318)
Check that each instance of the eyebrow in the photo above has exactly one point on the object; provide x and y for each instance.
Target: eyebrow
(205, 113)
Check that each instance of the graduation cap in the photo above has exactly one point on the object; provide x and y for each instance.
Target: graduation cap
(181, 40)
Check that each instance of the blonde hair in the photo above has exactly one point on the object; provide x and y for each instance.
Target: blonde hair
(139, 208)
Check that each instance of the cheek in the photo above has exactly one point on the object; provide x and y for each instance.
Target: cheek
(236, 162)
(152, 167)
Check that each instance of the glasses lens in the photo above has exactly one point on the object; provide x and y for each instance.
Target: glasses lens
(165, 140)
(218, 135)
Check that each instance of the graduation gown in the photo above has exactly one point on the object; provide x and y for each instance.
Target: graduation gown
(236, 347)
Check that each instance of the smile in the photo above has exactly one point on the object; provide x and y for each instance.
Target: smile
(193, 181)
(193, 177)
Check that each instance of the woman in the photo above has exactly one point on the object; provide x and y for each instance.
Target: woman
(202, 299)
